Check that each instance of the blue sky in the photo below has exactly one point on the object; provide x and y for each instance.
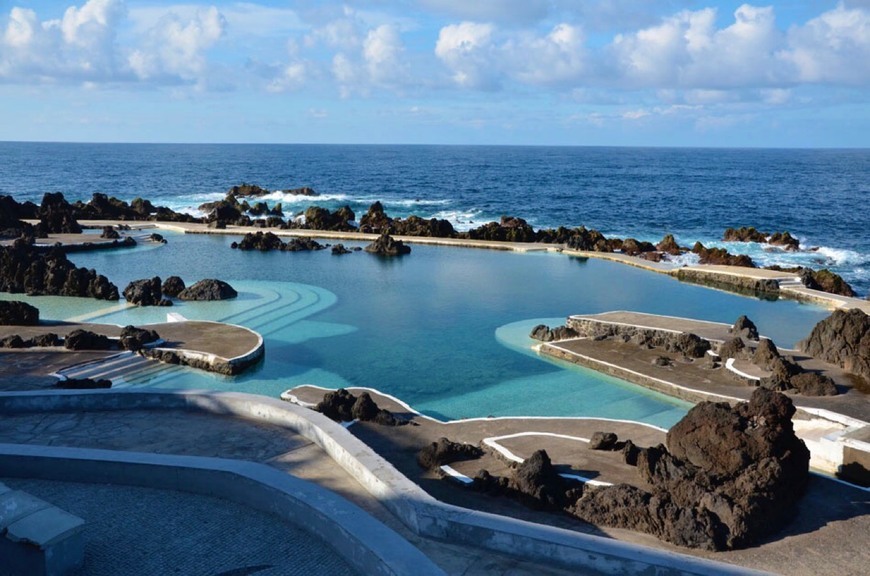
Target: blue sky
(572, 72)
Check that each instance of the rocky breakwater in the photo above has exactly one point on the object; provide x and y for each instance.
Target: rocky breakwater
(376, 221)
(24, 269)
(750, 234)
(728, 477)
(843, 339)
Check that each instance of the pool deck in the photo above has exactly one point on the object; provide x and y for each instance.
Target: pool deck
(214, 344)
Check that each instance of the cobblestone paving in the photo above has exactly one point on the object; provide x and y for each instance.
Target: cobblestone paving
(135, 531)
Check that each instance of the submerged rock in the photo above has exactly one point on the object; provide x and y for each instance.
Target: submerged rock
(83, 384)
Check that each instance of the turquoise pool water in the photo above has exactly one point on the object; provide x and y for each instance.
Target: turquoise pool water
(444, 329)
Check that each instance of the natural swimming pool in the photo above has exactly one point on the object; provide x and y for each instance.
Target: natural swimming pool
(444, 329)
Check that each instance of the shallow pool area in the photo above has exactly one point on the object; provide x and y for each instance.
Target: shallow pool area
(444, 329)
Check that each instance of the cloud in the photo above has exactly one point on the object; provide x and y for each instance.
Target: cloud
(467, 51)
(79, 46)
(831, 47)
(175, 47)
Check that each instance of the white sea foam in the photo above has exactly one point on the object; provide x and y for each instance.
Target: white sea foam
(462, 220)
(285, 198)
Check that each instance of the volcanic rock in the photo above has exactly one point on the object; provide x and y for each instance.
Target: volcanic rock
(721, 256)
(342, 406)
(826, 281)
(729, 477)
(669, 245)
(604, 441)
(537, 479)
(317, 218)
(765, 354)
(745, 327)
(172, 286)
(813, 384)
(385, 245)
(785, 240)
(732, 348)
(509, 229)
(339, 249)
(843, 338)
(23, 269)
(56, 216)
(46, 340)
(262, 241)
(133, 338)
(744, 234)
(110, 233)
(445, 451)
(87, 340)
(364, 409)
(208, 290)
(13, 341)
(15, 313)
(146, 292)
(633, 247)
(544, 333)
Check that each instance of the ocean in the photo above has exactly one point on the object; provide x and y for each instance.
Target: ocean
(821, 196)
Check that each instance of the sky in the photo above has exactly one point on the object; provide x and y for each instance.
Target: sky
(786, 73)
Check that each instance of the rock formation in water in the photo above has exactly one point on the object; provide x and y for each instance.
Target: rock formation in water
(843, 339)
(24, 269)
(669, 245)
(207, 290)
(267, 241)
(386, 245)
(317, 218)
(146, 292)
(721, 256)
(15, 313)
(729, 477)
(172, 286)
(544, 333)
(750, 234)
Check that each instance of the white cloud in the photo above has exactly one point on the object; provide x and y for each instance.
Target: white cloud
(557, 58)
(79, 46)
(466, 49)
(834, 47)
(175, 47)
(382, 52)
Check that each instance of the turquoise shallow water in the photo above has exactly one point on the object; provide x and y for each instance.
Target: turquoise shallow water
(444, 329)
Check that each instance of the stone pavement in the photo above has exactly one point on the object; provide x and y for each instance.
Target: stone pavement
(200, 434)
(142, 531)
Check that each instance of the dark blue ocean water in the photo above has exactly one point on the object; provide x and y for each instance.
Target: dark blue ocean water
(820, 196)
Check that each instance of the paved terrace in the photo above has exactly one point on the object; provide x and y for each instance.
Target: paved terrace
(214, 342)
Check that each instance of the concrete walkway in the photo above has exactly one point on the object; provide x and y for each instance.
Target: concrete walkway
(199, 434)
(143, 531)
